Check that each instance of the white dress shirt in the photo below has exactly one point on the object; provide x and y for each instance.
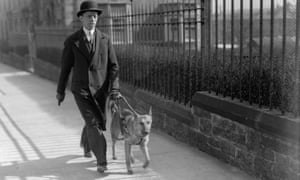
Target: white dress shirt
(89, 33)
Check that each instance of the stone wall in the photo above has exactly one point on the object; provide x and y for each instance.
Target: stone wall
(258, 153)
(260, 142)
(251, 143)
(45, 37)
(41, 68)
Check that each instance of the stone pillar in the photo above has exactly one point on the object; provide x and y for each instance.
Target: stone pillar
(32, 48)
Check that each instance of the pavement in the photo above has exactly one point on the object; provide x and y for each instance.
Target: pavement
(40, 140)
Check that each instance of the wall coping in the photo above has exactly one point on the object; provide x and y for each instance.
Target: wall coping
(264, 120)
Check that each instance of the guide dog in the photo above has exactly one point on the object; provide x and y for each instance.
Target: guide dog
(128, 125)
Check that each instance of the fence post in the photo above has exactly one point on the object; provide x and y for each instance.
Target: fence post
(297, 49)
(205, 39)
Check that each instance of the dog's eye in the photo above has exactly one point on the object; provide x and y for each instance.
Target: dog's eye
(141, 123)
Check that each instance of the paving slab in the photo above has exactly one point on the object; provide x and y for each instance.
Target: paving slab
(40, 140)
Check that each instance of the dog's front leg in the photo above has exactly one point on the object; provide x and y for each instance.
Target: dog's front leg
(128, 157)
(144, 149)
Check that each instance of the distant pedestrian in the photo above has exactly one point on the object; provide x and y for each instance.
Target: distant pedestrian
(90, 55)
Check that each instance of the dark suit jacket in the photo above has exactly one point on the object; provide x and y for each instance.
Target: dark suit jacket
(97, 71)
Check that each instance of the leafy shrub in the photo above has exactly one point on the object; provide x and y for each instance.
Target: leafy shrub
(177, 74)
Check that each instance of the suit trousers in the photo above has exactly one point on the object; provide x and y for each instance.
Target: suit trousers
(94, 125)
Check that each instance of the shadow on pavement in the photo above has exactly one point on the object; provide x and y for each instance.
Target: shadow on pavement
(42, 92)
(56, 168)
(14, 140)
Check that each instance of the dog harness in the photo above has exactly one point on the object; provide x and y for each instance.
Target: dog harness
(125, 132)
(123, 126)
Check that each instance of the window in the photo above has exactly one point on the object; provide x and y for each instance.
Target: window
(190, 29)
(174, 29)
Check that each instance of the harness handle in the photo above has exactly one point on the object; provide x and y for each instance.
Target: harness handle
(126, 102)
(130, 107)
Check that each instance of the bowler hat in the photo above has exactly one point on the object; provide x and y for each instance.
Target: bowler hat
(88, 6)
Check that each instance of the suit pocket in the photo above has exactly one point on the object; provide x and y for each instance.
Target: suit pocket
(103, 61)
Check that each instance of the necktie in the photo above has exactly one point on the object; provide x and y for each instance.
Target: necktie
(90, 36)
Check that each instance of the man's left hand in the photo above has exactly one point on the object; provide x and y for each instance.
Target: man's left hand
(115, 95)
(60, 98)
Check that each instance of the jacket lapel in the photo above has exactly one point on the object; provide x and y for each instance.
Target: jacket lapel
(96, 47)
(80, 44)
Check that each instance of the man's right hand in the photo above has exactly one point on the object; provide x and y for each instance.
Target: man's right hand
(60, 98)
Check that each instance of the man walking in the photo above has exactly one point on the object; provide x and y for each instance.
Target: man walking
(90, 55)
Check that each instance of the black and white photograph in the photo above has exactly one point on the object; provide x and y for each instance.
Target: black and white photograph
(149, 89)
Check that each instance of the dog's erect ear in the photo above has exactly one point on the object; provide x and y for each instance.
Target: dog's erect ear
(150, 111)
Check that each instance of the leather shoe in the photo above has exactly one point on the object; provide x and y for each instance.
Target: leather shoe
(88, 155)
(101, 169)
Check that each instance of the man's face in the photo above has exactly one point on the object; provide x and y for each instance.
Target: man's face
(89, 19)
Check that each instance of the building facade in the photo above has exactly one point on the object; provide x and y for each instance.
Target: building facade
(13, 16)
(125, 21)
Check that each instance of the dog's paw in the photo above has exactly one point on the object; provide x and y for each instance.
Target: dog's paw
(146, 164)
(129, 171)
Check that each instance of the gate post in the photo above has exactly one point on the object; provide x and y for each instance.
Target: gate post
(205, 40)
(31, 34)
(297, 51)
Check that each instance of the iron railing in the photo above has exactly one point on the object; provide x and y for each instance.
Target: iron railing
(246, 50)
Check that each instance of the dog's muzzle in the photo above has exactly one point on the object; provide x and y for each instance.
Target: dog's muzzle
(145, 133)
